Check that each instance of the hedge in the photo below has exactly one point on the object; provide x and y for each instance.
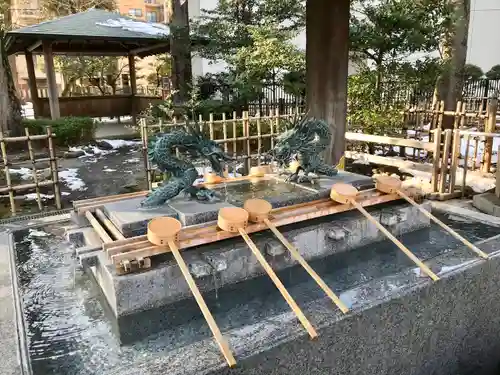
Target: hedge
(69, 130)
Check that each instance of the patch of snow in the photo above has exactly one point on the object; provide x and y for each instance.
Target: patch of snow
(133, 160)
(119, 143)
(33, 196)
(37, 233)
(24, 173)
(71, 179)
(109, 170)
(149, 28)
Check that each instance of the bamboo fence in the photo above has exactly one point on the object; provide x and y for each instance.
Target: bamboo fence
(53, 181)
(422, 138)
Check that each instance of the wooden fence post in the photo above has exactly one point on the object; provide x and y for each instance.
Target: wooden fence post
(489, 128)
(497, 187)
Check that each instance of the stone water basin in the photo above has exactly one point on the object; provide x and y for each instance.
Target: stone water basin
(69, 331)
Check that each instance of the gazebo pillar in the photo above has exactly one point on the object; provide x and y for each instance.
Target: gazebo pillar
(133, 87)
(327, 60)
(32, 83)
(55, 113)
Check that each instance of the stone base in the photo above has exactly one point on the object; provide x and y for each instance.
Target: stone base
(231, 261)
(488, 203)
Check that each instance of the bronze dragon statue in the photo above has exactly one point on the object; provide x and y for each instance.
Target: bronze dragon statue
(191, 142)
(304, 143)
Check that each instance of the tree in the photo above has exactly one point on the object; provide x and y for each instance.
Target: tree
(229, 26)
(99, 71)
(162, 67)
(10, 105)
(449, 86)
(472, 72)
(494, 72)
(60, 8)
(389, 31)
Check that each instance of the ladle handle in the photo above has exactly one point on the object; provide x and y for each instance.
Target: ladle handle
(288, 298)
(223, 345)
(444, 226)
(402, 247)
(295, 253)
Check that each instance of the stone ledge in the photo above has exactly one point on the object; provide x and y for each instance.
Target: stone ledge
(232, 262)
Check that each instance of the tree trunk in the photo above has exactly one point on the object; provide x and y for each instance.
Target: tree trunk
(10, 106)
(450, 85)
(327, 56)
(180, 47)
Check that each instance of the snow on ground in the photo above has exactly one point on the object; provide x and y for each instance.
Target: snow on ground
(71, 179)
(37, 233)
(24, 173)
(119, 143)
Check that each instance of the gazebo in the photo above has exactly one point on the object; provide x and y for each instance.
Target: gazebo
(94, 32)
(98, 32)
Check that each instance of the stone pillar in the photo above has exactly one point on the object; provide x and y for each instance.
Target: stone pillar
(327, 60)
(55, 113)
(133, 87)
(32, 83)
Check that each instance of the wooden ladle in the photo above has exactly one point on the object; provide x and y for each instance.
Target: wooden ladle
(164, 231)
(235, 220)
(346, 194)
(392, 185)
(258, 211)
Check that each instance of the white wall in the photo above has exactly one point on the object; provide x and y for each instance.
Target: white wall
(484, 34)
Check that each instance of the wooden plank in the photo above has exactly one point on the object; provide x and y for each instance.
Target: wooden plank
(109, 225)
(428, 146)
(98, 228)
(436, 159)
(444, 160)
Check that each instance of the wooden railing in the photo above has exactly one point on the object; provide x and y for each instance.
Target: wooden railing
(53, 181)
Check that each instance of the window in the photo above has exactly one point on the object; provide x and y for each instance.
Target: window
(151, 17)
(125, 81)
(135, 12)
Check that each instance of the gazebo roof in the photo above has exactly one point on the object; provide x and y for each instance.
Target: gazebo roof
(93, 32)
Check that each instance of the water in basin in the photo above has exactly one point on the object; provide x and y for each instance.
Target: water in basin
(69, 332)
(243, 190)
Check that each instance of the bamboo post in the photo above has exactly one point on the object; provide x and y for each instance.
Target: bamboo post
(436, 159)
(33, 167)
(476, 149)
(445, 160)
(490, 128)
(455, 154)
(7, 174)
(200, 121)
(147, 163)
(271, 127)
(235, 134)
(259, 137)
(211, 126)
(466, 164)
(277, 121)
(54, 169)
(224, 135)
(246, 129)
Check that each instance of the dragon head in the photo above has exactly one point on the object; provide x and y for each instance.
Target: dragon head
(208, 149)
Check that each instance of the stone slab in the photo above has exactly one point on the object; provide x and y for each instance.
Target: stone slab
(455, 208)
(232, 262)
(399, 323)
(191, 212)
(488, 203)
(12, 344)
(359, 181)
(130, 218)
